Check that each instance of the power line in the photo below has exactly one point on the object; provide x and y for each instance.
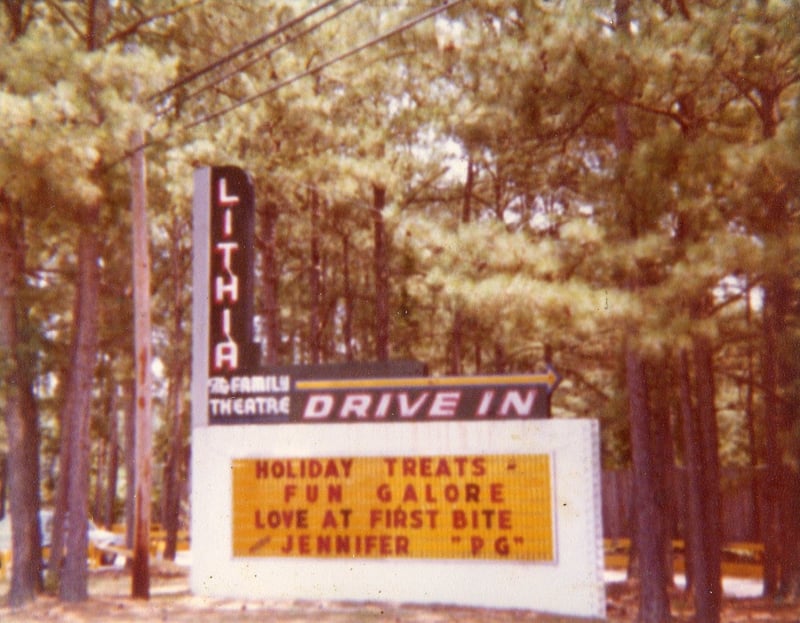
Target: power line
(270, 51)
(242, 49)
(163, 139)
(317, 68)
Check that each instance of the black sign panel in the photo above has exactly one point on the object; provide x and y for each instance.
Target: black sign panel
(330, 394)
(268, 395)
(232, 227)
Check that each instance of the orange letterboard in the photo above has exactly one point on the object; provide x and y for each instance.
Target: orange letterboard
(471, 506)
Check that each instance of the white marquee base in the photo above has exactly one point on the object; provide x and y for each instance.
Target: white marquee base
(572, 585)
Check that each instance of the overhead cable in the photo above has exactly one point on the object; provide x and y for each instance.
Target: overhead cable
(317, 68)
(270, 51)
(242, 49)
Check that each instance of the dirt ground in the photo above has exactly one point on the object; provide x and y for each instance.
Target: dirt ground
(172, 602)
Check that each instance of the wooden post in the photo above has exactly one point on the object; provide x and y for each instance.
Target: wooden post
(140, 573)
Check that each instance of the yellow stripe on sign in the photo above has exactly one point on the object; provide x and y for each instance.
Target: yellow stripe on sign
(497, 507)
(548, 378)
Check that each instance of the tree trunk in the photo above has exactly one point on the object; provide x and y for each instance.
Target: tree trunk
(271, 282)
(653, 597)
(57, 535)
(457, 331)
(790, 561)
(500, 359)
(782, 491)
(74, 578)
(21, 421)
(16, 17)
(73, 585)
(314, 281)
(105, 450)
(3, 474)
(662, 449)
(381, 275)
(777, 291)
(172, 492)
(772, 491)
(113, 464)
(99, 496)
(702, 467)
(692, 460)
(653, 600)
(710, 479)
(456, 343)
(177, 367)
(548, 360)
(750, 416)
(469, 185)
(497, 186)
(634, 569)
(349, 303)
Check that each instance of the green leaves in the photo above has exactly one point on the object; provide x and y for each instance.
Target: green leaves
(527, 93)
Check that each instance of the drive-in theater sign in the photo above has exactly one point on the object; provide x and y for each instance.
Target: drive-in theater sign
(374, 481)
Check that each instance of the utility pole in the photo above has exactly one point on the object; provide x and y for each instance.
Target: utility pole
(140, 572)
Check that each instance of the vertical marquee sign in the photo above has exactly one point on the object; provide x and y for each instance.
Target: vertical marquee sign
(396, 486)
(223, 274)
(232, 229)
